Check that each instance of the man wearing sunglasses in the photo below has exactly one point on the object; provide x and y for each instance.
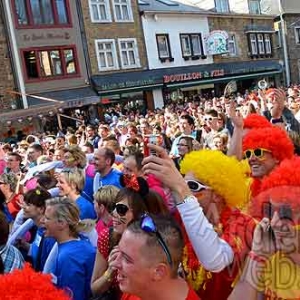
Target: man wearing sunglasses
(150, 251)
(265, 148)
(272, 270)
(214, 186)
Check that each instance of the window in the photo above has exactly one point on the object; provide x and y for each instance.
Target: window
(41, 13)
(297, 35)
(253, 44)
(100, 11)
(50, 63)
(191, 45)
(232, 50)
(268, 43)
(129, 53)
(163, 47)
(222, 6)
(106, 55)
(122, 11)
(254, 7)
(260, 44)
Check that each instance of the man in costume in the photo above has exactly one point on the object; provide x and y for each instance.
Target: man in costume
(219, 184)
(273, 266)
(265, 148)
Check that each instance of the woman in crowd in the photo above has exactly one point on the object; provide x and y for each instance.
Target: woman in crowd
(8, 187)
(132, 201)
(185, 146)
(70, 184)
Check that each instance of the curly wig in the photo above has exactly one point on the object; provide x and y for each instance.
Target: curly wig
(225, 175)
(282, 186)
(27, 284)
(256, 121)
(272, 138)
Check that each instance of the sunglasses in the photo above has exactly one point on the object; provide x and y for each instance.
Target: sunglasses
(209, 118)
(196, 186)
(182, 145)
(258, 153)
(147, 224)
(121, 209)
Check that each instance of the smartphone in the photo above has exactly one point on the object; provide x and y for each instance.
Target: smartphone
(268, 213)
(155, 139)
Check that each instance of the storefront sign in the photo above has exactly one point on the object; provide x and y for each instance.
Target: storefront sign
(193, 76)
(216, 42)
(46, 36)
(126, 84)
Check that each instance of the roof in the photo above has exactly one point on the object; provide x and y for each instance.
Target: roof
(168, 6)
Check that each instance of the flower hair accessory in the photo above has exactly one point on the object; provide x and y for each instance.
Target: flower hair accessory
(131, 182)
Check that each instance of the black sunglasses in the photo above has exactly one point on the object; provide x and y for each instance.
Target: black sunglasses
(147, 224)
(121, 209)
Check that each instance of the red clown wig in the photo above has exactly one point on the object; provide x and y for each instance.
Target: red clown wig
(273, 139)
(256, 121)
(26, 284)
(281, 187)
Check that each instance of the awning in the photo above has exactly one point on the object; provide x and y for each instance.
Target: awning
(182, 76)
(68, 97)
(40, 106)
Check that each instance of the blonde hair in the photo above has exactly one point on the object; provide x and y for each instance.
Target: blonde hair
(223, 174)
(75, 176)
(106, 195)
(78, 155)
(67, 211)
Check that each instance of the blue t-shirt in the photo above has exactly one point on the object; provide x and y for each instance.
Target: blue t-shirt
(86, 208)
(73, 268)
(46, 244)
(112, 178)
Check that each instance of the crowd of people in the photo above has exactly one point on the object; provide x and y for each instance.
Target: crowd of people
(199, 200)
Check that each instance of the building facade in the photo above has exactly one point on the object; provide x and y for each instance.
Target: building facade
(287, 24)
(7, 83)
(49, 62)
(116, 50)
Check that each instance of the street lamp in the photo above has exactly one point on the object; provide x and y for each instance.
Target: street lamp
(285, 50)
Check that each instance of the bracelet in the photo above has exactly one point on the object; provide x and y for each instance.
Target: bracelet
(258, 258)
(186, 199)
(107, 276)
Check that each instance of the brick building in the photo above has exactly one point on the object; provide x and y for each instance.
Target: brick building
(116, 49)
(7, 82)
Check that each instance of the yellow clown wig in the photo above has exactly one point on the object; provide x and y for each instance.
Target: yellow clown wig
(223, 174)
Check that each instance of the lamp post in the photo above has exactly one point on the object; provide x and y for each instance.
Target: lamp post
(284, 42)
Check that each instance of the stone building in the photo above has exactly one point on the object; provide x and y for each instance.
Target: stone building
(7, 82)
(116, 49)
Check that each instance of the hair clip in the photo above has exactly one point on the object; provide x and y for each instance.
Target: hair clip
(131, 182)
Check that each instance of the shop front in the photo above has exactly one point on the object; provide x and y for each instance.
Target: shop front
(155, 88)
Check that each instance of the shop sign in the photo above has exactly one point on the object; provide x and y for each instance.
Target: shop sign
(126, 84)
(46, 36)
(216, 42)
(193, 76)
